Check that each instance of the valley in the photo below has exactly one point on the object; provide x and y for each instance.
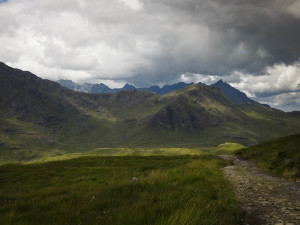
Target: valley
(39, 118)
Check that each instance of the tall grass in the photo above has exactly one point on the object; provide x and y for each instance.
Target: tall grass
(102, 190)
(280, 156)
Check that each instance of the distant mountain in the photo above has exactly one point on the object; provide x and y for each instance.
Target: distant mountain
(102, 88)
(76, 87)
(233, 94)
(41, 118)
(98, 88)
(168, 88)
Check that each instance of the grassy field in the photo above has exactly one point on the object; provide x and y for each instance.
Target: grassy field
(280, 156)
(118, 190)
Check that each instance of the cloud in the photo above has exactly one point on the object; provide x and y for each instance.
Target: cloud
(294, 9)
(278, 79)
(146, 42)
(134, 5)
(284, 101)
(279, 87)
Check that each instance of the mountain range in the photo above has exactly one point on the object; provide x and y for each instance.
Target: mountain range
(42, 118)
(102, 88)
(233, 94)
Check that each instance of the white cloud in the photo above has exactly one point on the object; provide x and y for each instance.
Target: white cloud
(284, 101)
(109, 83)
(279, 87)
(196, 78)
(135, 5)
(278, 79)
(82, 4)
(294, 8)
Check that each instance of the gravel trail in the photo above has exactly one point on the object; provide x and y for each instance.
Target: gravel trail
(264, 199)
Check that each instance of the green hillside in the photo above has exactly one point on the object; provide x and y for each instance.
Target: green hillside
(40, 118)
(280, 156)
(118, 190)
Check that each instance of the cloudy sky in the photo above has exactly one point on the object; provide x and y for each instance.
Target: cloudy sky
(252, 44)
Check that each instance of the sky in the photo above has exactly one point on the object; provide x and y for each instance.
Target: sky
(254, 45)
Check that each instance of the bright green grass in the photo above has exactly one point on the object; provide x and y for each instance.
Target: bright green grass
(98, 190)
(280, 156)
(226, 148)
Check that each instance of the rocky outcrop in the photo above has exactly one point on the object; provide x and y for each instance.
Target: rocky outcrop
(180, 116)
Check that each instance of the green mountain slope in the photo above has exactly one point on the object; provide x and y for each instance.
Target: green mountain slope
(280, 156)
(40, 118)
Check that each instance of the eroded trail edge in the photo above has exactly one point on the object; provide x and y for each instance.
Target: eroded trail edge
(264, 199)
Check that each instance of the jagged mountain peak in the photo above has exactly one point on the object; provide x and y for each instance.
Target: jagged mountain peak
(220, 82)
(233, 94)
(128, 87)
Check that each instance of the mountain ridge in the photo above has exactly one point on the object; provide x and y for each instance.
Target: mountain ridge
(233, 94)
(41, 118)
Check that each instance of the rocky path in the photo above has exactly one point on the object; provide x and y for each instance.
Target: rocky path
(264, 199)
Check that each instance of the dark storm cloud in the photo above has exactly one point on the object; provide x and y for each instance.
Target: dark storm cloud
(243, 35)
